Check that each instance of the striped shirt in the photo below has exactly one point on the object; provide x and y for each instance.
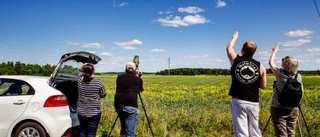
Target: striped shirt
(281, 80)
(90, 93)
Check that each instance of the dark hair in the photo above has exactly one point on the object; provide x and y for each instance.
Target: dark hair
(249, 48)
(88, 70)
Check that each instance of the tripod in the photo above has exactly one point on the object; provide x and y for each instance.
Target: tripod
(304, 120)
(145, 112)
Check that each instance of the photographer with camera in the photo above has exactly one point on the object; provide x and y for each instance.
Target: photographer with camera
(91, 90)
(128, 86)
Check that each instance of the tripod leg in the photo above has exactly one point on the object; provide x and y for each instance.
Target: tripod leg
(114, 123)
(304, 120)
(145, 112)
(265, 127)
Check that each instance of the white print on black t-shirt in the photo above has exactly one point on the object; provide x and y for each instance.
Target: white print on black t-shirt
(247, 72)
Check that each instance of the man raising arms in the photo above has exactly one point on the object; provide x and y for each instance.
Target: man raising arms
(248, 76)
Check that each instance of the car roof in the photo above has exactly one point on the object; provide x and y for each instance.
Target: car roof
(33, 80)
(23, 77)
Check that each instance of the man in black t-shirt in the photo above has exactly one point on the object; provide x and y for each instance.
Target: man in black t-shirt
(126, 99)
(248, 76)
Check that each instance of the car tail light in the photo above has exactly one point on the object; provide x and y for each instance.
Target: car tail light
(56, 101)
(71, 132)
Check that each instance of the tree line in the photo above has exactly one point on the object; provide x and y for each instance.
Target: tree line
(18, 68)
(194, 71)
(214, 71)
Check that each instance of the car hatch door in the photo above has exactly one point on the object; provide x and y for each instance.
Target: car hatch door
(80, 56)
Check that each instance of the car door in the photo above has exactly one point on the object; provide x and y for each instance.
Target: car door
(12, 104)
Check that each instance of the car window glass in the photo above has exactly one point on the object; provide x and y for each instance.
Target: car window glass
(69, 69)
(11, 87)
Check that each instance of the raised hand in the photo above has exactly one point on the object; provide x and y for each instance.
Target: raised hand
(235, 35)
(275, 48)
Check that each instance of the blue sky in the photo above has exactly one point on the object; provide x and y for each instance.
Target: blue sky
(192, 33)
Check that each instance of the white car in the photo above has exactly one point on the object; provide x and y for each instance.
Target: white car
(36, 106)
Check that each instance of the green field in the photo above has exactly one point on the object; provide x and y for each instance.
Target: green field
(199, 106)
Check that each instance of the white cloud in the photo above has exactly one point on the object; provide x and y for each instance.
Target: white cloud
(123, 4)
(264, 53)
(177, 21)
(164, 12)
(314, 50)
(295, 43)
(197, 56)
(195, 19)
(221, 4)
(183, 21)
(191, 10)
(298, 33)
(128, 45)
(85, 44)
(107, 54)
(116, 4)
(157, 50)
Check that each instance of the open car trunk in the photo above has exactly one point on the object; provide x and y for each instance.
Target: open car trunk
(65, 76)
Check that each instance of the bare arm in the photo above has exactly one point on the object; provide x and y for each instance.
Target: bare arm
(272, 57)
(263, 80)
(230, 48)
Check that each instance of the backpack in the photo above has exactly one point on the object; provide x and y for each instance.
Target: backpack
(291, 94)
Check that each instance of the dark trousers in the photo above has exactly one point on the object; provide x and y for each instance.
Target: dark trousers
(284, 121)
(89, 125)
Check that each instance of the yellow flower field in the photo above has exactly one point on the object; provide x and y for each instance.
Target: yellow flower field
(199, 106)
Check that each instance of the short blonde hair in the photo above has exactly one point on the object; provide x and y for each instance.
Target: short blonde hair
(290, 64)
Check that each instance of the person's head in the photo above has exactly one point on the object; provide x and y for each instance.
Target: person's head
(130, 67)
(88, 68)
(248, 48)
(290, 64)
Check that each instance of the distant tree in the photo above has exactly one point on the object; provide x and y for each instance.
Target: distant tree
(19, 68)
(195, 71)
(47, 70)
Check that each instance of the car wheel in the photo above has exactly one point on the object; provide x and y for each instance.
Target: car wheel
(29, 129)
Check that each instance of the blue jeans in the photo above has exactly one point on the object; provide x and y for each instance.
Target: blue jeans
(128, 119)
(89, 125)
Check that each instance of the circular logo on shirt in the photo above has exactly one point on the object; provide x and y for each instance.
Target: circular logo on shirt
(247, 72)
